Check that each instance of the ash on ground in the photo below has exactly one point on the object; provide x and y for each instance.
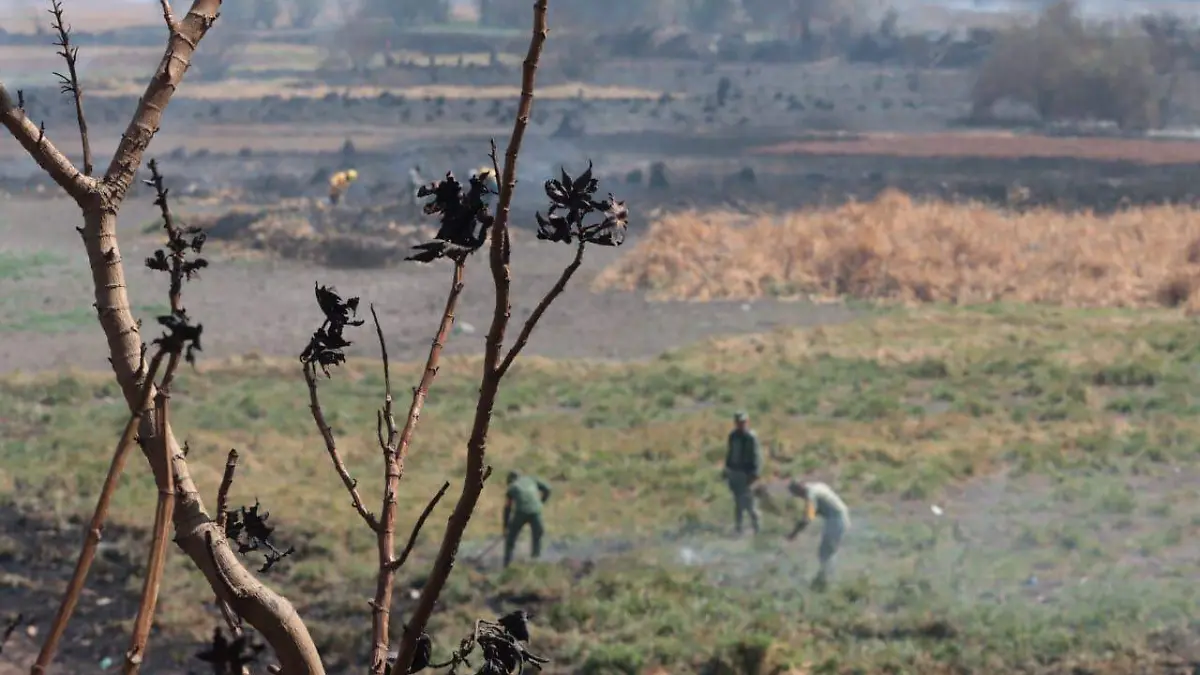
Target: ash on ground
(332, 236)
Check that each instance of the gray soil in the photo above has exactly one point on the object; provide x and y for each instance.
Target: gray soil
(268, 307)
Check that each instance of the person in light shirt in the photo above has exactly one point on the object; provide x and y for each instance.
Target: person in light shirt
(821, 501)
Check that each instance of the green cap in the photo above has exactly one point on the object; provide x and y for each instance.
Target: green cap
(740, 416)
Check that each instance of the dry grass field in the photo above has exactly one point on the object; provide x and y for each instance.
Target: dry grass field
(898, 249)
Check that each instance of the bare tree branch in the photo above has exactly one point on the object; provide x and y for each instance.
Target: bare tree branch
(381, 604)
(33, 139)
(314, 405)
(70, 82)
(477, 445)
(95, 528)
(416, 530)
(195, 531)
(168, 16)
(184, 36)
(532, 321)
(234, 622)
(162, 520)
(223, 490)
(395, 451)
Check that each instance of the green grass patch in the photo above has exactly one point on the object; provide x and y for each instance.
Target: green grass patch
(18, 266)
(1048, 436)
(67, 321)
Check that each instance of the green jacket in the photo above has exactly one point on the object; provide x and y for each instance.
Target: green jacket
(744, 455)
(527, 494)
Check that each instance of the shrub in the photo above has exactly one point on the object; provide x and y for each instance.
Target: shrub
(1068, 70)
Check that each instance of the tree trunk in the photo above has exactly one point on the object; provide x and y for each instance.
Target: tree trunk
(195, 532)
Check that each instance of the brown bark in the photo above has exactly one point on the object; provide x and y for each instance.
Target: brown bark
(91, 540)
(261, 607)
(395, 451)
(195, 531)
(156, 561)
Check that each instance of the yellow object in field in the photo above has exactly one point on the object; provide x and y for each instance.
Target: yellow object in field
(488, 176)
(339, 182)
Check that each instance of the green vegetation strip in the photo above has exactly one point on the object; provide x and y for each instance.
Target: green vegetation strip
(1057, 442)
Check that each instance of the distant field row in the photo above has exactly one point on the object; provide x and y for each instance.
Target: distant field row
(1001, 145)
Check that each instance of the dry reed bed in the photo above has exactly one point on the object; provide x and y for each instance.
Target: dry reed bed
(898, 249)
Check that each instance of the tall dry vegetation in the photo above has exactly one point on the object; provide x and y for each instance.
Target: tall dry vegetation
(1069, 70)
(145, 369)
(898, 249)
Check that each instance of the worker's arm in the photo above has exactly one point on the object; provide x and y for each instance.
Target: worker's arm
(809, 515)
(799, 527)
(755, 458)
(544, 489)
(729, 453)
(507, 511)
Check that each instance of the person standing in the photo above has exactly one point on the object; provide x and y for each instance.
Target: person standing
(339, 183)
(821, 501)
(523, 506)
(743, 466)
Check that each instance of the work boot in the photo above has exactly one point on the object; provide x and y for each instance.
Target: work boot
(819, 583)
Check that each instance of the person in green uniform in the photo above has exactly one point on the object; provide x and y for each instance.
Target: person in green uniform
(743, 465)
(523, 506)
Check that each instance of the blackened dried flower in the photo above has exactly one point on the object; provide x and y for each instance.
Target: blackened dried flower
(572, 201)
(465, 218)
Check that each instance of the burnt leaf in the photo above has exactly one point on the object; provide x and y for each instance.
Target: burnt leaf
(182, 336)
(247, 528)
(500, 644)
(464, 218)
(554, 228)
(516, 623)
(572, 202)
(327, 344)
(422, 656)
(611, 230)
(228, 657)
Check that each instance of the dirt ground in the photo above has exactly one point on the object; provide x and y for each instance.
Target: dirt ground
(268, 306)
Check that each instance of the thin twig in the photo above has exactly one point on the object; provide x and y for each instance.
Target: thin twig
(395, 451)
(477, 445)
(136, 654)
(6, 634)
(46, 154)
(416, 530)
(532, 321)
(168, 16)
(314, 405)
(70, 82)
(231, 619)
(381, 604)
(96, 526)
(223, 490)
